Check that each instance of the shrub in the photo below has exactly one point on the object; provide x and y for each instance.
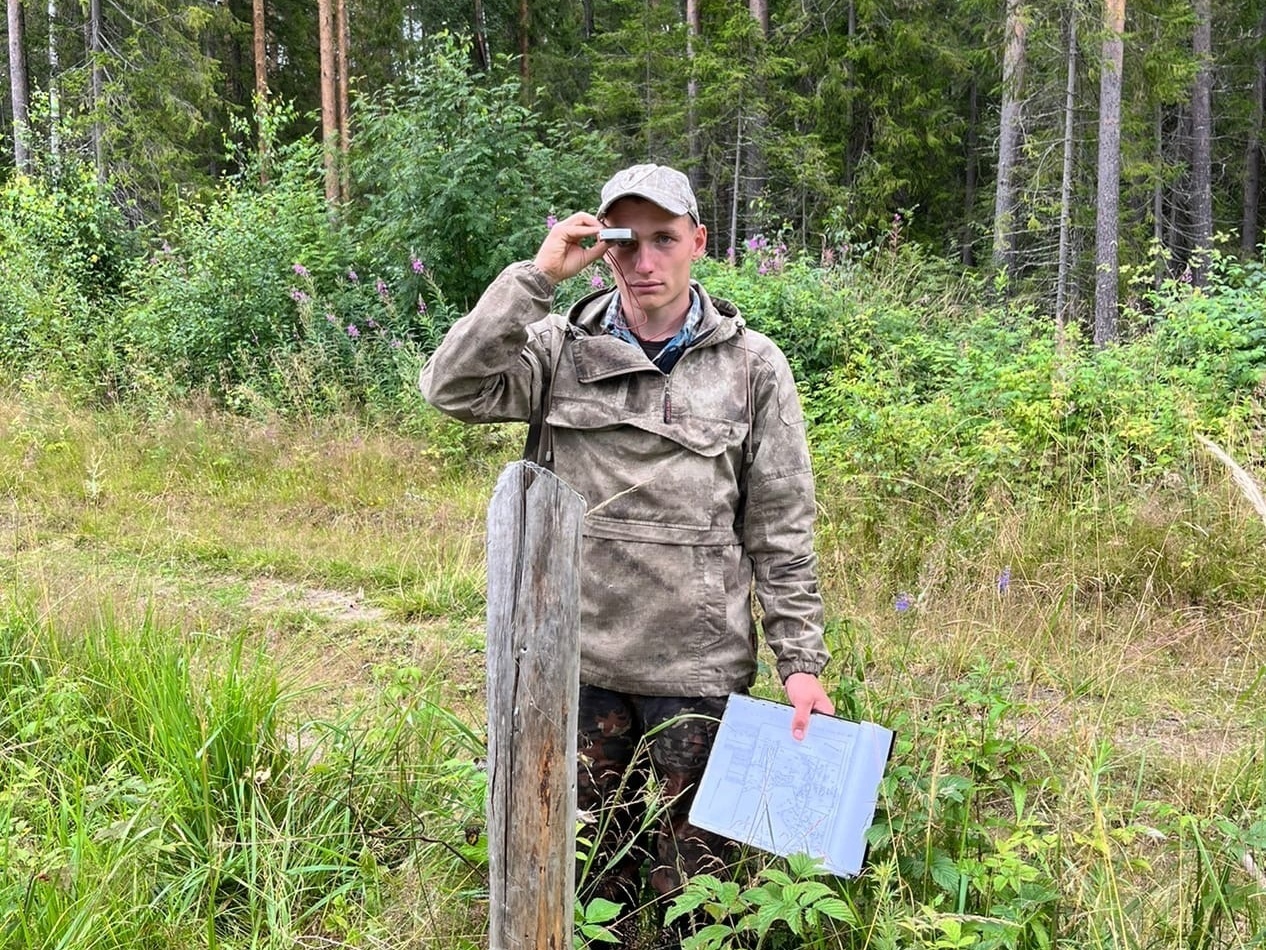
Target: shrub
(64, 251)
(455, 170)
(213, 301)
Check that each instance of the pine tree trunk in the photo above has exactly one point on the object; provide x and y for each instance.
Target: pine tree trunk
(525, 48)
(341, 40)
(757, 121)
(1106, 223)
(693, 29)
(329, 106)
(1202, 145)
(1009, 139)
(260, 47)
(966, 242)
(734, 194)
(95, 87)
(18, 88)
(1158, 197)
(1066, 184)
(1249, 230)
(479, 37)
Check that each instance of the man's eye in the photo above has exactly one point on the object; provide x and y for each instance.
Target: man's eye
(625, 245)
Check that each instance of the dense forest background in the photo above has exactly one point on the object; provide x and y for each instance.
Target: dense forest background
(1048, 144)
(1012, 252)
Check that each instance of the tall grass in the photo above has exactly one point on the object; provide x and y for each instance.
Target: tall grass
(159, 791)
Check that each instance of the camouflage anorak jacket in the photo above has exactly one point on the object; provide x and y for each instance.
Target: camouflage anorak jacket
(698, 482)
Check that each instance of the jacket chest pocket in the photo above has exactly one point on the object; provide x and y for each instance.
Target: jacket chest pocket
(644, 478)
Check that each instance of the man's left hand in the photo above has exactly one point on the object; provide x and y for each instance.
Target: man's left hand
(806, 695)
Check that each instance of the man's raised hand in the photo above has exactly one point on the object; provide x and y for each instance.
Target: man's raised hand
(562, 255)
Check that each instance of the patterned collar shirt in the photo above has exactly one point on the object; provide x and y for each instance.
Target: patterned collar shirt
(615, 324)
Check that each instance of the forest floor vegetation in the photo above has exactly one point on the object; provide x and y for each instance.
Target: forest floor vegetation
(244, 675)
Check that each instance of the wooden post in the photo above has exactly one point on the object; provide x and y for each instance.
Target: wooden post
(534, 523)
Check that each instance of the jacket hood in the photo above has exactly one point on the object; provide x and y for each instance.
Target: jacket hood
(721, 318)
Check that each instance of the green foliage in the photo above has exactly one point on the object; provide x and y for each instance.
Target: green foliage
(794, 902)
(64, 250)
(213, 301)
(457, 172)
(591, 924)
(144, 805)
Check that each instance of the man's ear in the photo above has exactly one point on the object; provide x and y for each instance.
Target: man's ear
(700, 242)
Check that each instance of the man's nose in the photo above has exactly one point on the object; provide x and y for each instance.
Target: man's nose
(643, 263)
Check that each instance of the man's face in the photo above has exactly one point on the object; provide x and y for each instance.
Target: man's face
(653, 271)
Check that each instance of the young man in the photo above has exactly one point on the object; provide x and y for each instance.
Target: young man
(682, 429)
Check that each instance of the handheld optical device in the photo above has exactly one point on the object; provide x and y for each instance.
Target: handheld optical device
(615, 234)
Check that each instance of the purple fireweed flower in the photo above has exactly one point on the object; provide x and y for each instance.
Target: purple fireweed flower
(352, 331)
(902, 603)
(371, 323)
(597, 283)
(351, 275)
(421, 305)
(300, 270)
(297, 295)
(417, 265)
(381, 286)
(1004, 580)
(729, 255)
(330, 318)
(550, 221)
(396, 344)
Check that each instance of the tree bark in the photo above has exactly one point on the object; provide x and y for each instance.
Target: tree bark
(342, 40)
(54, 88)
(260, 47)
(1009, 139)
(693, 30)
(734, 195)
(757, 120)
(1158, 197)
(97, 81)
(329, 107)
(18, 90)
(1249, 230)
(760, 12)
(1106, 223)
(525, 48)
(1066, 184)
(534, 535)
(479, 37)
(1202, 145)
(966, 244)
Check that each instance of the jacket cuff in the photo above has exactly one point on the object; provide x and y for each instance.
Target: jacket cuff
(532, 275)
(800, 666)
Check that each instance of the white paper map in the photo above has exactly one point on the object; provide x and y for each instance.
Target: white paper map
(816, 796)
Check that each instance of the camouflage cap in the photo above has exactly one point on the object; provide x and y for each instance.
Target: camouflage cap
(659, 184)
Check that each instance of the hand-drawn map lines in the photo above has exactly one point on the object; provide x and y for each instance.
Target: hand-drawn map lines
(789, 795)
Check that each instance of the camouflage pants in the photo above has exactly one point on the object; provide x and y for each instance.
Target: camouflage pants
(640, 759)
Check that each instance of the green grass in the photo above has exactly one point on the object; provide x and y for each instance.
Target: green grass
(242, 696)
